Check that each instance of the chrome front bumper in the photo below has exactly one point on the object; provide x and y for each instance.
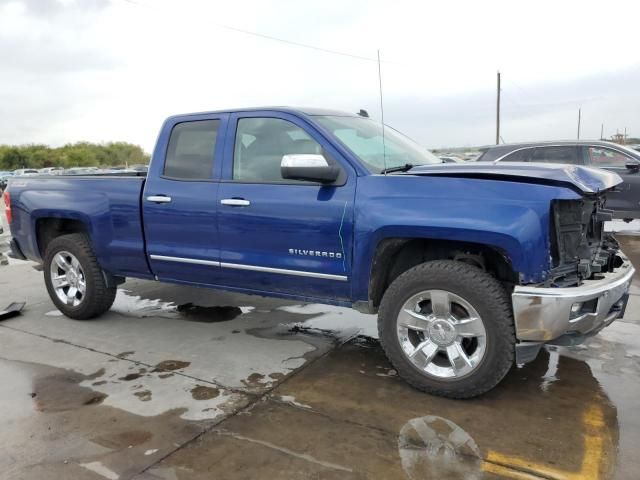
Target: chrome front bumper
(544, 315)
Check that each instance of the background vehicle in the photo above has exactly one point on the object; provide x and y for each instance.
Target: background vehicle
(139, 168)
(613, 157)
(448, 159)
(4, 179)
(51, 171)
(462, 262)
(25, 171)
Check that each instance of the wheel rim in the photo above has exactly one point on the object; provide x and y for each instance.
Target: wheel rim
(441, 334)
(67, 278)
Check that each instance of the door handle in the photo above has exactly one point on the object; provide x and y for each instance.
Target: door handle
(159, 199)
(235, 202)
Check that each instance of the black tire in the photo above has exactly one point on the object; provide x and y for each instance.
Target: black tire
(484, 293)
(98, 296)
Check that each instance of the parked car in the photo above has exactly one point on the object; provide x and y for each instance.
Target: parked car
(25, 172)
(4, 179)
(139, 168)
(51, 171)
(471, 268)
(449, 159)
(613, 157)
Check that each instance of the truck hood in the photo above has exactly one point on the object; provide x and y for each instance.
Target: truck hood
(586, 180)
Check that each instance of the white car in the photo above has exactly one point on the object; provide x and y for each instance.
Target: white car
(23, 172)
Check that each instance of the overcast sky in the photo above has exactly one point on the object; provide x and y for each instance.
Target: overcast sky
(108, 70)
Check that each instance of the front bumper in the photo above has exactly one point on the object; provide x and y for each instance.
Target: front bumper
(543, 315)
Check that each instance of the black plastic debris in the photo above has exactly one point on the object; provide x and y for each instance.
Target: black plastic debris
(13, 310)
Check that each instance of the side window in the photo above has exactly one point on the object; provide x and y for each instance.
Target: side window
(555, 155)
(604, 157)
(518, 156)
(260, 145)
(191, 148)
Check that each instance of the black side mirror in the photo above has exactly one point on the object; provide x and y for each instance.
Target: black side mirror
(633, 167)
(308, 167)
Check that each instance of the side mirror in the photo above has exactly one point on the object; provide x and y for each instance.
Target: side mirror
(309, 167)
(633, 167)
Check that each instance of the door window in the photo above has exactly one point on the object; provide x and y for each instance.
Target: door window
(518, 156)
(260, 145)
(605, 157)
(191, 149)
(566, 154)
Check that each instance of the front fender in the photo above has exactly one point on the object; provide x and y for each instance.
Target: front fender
(511, 217)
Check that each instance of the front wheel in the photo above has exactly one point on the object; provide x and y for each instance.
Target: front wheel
(447, 328)
(75, 282)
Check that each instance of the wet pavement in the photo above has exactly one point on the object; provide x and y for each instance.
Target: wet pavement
(186, 383)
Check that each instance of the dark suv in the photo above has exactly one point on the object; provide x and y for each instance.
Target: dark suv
(613, 157)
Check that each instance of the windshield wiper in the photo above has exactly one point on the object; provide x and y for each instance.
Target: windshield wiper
(402, 168)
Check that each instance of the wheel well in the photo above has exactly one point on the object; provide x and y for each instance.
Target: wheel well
(395, 256)
(49, 228)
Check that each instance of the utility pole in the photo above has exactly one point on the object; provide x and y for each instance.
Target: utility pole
(579, 115)
(498, 113)
(624, 139)
(602, 132)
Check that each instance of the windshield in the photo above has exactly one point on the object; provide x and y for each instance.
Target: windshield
(363, 137)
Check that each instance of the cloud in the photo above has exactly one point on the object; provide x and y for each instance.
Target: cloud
(112, 70)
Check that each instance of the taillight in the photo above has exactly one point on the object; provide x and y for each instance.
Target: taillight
(7, 205)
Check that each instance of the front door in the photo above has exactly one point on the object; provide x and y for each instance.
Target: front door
(277, 235)
(179, 201)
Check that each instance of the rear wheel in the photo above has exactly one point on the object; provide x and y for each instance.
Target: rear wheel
(447, 328)
(75, 282)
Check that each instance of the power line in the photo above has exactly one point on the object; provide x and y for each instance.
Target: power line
(275, 39)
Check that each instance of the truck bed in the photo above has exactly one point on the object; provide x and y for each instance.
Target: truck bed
(108, 205)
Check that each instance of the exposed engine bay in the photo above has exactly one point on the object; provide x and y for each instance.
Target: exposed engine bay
(580, 249)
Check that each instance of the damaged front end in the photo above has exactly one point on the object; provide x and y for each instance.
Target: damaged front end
(580, 249)
(587, 286)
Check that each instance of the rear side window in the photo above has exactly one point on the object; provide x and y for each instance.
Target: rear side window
(191, 148)
(604, 157)
(568, 154)
(518, 156)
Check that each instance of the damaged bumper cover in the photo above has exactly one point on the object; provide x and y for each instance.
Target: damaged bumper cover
(567, 316)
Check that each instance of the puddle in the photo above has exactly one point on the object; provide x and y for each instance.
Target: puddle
(343, 322)
(135, 306)
(195, 313)
(435, 447)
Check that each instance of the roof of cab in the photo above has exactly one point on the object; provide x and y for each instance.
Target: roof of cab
(309, 111)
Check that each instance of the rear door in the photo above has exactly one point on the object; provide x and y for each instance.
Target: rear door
(285, 236)
(179, 200)
(626, 201)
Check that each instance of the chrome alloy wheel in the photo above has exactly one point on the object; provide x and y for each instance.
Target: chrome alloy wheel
(441, 334)
(67, 278)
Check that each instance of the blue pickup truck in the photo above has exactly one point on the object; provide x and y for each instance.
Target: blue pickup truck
(471, 268)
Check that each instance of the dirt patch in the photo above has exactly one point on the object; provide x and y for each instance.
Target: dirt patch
(125, 354)
(165, 375)
(170, 365)
(202, 392)
(144, 395)
(130, 376)
(196, 313)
